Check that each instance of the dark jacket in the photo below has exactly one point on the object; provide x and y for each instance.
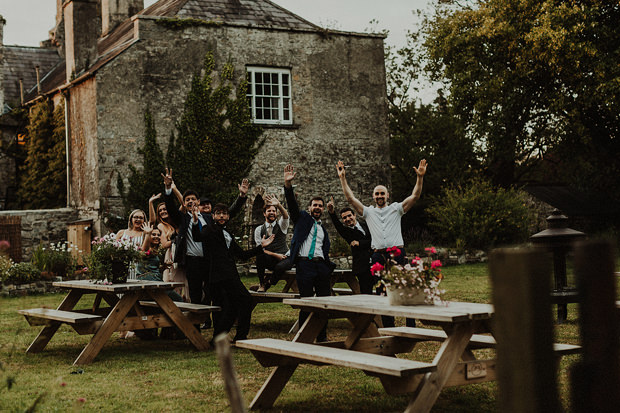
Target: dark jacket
(303, 225)
(221, 258)
(182, 221)
(361, 254)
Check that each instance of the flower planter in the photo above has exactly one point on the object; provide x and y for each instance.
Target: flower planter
(406, 296)
(120, 271)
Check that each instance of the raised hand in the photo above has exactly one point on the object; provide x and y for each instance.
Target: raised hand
(421, 169)
(267, 241)
(168, 178)
(244, 187)
(289, 173)
(154, 197)
(195, 212)
(271, 199)
(341, 170)
(147, 228)
(330, 205)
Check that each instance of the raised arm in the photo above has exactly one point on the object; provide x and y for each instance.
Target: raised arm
(293, 207)
(152, 214)
(173, 210)
(273, 200)
(348, 193)
(335, 220)
(236, 206)
(417, 189)
(146, 243)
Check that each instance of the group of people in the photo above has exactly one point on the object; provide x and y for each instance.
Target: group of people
(198, 249)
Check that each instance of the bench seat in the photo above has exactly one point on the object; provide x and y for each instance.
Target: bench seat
(39, 316)
(476, 341)
(192, 308)
(342, 291)
(315, 353)
(267, 297)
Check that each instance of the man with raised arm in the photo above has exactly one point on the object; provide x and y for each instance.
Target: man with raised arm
(190, 253)
(275, 254)
(384, 218)
(357, 235)
(309, 247)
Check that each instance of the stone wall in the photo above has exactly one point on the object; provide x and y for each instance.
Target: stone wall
(339, 98)
(42, 226)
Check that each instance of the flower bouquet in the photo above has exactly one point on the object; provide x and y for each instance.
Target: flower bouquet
(414, 283)
(110, 259)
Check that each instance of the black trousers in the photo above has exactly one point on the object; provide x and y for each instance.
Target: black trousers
(366, 280)
(269, 262)
(197, 273)
(236, 303)
(313, 278)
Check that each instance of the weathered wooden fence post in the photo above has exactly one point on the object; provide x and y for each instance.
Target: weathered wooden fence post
(596, 378)
(523, 329)
(222, 346)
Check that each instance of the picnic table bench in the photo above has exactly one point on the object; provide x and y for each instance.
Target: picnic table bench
(135, 305)
(337, 276)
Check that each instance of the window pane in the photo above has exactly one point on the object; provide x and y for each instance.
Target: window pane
(258, 77)
(259, 90)
(266, 114)
(274, 78)
(267, 90)
(286, 114)
(274, 113)
(275, 103)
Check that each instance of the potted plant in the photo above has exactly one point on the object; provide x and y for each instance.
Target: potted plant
(414, 283)
(54, 260)
(110, 259)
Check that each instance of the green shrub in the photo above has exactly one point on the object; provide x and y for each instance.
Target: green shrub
(21, 273)
(339, 247)
(56, 258)
(5, 264)
(477, 216)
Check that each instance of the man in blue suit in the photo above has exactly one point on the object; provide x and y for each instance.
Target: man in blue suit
(309, 247)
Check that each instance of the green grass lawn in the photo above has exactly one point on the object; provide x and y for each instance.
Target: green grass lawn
(171, 376)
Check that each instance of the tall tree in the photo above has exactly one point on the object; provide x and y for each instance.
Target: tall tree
(44, 178)
(530, 78)
(216, 140)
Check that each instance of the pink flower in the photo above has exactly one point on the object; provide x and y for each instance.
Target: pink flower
(376, 267)
(394, 251)
(432, 250)
(435, 264)
(81, 400)
(5, 245)
(63, 384)
(85, 269)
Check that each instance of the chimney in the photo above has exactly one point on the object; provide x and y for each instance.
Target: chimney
(82, 29)
(2, 23)
(114, 12)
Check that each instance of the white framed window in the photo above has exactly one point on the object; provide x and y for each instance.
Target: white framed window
(269, 95)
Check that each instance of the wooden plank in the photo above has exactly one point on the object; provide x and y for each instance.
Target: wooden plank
(131, 285)
(460, 377)
(596, 377)
(194, 308)
(445, 360)
(384, 345)
(342, 291)
(272, 297)
(272, 387)
(523, 328)
(68, 317)
(109, 326)
(353, 359)
(48, 331)
(222, 347)
(174, 313)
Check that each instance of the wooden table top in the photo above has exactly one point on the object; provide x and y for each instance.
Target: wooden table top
(131, 285)
(449, 311)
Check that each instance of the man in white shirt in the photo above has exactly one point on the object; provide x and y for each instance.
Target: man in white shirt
(275, 254)
(384, 218)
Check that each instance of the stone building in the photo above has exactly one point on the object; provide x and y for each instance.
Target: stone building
(319, 94)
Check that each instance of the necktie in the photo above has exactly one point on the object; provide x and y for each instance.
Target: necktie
(313, 244)
(269, 230)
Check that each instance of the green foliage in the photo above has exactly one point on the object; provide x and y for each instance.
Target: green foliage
(44, 178)
(107, 251)
(476, 216)
(216, 140)
(144, 182)
(21, 273)
(536, 83)
(339, 247)
(56, 258)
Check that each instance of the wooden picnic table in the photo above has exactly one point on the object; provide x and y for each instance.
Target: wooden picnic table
(373, 350)
(135, 305)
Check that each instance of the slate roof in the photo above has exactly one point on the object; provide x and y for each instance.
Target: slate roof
(19, 63)
(249, 13)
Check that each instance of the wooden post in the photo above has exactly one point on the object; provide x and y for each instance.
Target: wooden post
(523, 329)
(222, 347)
(596, 378)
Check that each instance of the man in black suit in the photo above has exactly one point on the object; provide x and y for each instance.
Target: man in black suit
(224, 283)
(357, 235)
(190, 254)
(309, 247)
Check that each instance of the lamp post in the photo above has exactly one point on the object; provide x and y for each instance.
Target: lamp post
(559, 239)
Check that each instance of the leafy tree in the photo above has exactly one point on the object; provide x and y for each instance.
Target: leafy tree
(531, 78)
(44, 179)
(216, 140)
(146, 181)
